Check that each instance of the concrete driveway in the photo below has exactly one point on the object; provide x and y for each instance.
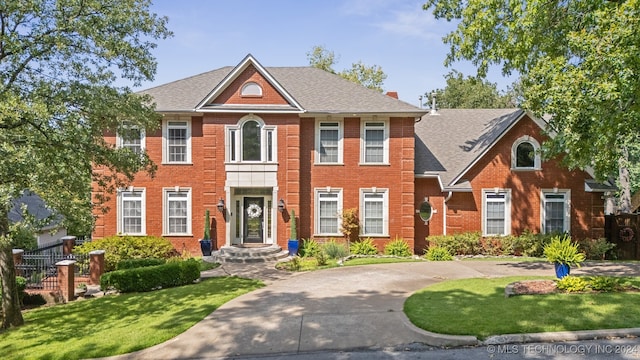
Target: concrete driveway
(337, 309)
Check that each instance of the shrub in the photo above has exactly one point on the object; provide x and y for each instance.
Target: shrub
(571, 283)
(309, 248)
(137, 263)
(118, 248)
(531, 244)
(171, 274)
(562, 250)
(437, 253)
(607, 283)
(334, 250)
(445, 241)
(21, 284)
(596, 249)
(468, 243)
(321, 258)
(397, 247)
(294, 264)
(364, 247)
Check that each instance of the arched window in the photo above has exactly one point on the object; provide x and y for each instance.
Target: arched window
(525, 154)
(251, 89)
(251, 141)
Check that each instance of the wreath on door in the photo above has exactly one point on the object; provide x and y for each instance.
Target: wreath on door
(254, 211)
(626, 234)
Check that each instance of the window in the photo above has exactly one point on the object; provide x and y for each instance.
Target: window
(426, 211)
(329, 142)
(375, 148)
(131, 137)
(496, 216)
(251, 89)
(251, 141)
(328, 207)
(131, 212)
(525, 154)
(555, 211)
(177, 142)
(374, 212)
(177, 211)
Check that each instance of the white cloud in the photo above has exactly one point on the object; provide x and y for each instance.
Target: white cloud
(413, 23)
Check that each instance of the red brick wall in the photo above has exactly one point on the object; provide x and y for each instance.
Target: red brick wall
(350, 176)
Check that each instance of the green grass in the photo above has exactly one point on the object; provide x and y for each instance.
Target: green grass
(119, 324)
(506, 258)
(382, 260)
(478, 307)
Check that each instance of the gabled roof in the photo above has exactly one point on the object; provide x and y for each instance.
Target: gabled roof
(450, 143)
(308, 89)
(249, 60)
(36, 207)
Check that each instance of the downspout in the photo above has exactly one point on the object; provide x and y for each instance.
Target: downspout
(444, 216)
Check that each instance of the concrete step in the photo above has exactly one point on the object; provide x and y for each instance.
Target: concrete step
(234, 254)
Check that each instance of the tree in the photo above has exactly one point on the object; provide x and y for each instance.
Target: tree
(579, 62)
(58, 62)
(469, 93)
(371, 77)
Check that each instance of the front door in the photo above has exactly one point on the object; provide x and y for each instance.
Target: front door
(253, 219)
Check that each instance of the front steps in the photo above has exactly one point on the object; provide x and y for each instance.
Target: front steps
(235, 254)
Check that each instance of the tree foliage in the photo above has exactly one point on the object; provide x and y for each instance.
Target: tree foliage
(371, 77)
(58, 62)
(579, 61)
(469, 93)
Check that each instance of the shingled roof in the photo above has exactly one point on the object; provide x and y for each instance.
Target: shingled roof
(316, 90)
(448, 144)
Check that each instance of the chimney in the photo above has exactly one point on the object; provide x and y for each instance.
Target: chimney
(393, 94)
(434, 109)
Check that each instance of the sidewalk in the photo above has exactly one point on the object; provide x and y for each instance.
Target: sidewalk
(337, 309)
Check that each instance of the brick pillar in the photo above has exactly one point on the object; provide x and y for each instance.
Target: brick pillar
(17, 260)
(96, 266)
(66, 280)
(68, 242)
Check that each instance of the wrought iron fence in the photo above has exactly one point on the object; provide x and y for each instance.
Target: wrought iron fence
(39, 268)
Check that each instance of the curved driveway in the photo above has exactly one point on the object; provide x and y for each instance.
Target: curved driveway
(337, 309)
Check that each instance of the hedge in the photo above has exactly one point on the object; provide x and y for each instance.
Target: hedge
(171, 274)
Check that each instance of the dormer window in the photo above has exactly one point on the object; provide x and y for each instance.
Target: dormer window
(525, 154)
(251, 89)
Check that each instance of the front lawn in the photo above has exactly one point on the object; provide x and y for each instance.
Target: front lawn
(119, 324)
(311, 264)
(479, 307)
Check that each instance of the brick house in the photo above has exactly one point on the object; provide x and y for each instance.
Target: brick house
(258, 142)
(480, 170)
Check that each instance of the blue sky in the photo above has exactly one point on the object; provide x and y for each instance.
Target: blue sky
(397, 35)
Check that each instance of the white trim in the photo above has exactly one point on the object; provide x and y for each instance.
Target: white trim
(506, 193)
(367, 124)
(165, 139)
(120, 142)
(243, 65)
(385, 210)
(537, 162)
(141, 194)
(165, 210)
(233, 150)
(318, 192)
(252, 85)
(340, 128)
(567, 207)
